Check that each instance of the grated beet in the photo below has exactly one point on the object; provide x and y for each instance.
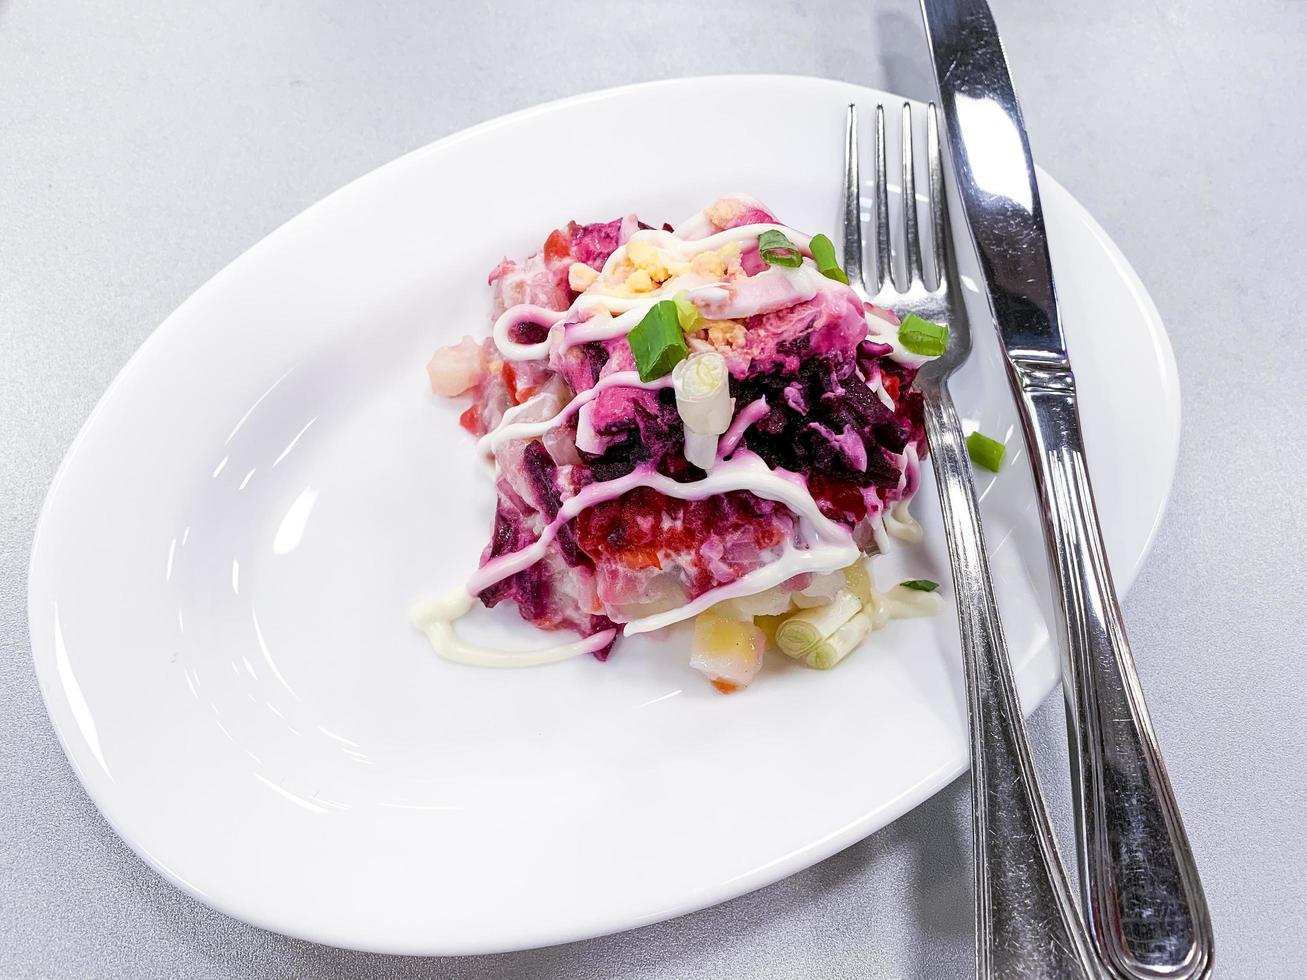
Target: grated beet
(593, 244)
(808, 425)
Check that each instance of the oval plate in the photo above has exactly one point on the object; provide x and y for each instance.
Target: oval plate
(222, 572)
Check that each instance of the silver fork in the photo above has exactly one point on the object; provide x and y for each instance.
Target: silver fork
(1027, 924)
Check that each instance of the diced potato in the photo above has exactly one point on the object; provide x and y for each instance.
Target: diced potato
(727, 651)
(457, 368)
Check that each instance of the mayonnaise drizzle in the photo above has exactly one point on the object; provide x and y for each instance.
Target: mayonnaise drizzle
(745, 471)
(896, 518)
(436, 618)
(746, 416)
(901, 603)
(541, 316)
(528, 430)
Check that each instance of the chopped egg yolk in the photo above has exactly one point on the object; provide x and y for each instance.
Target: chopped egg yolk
(724, 212)
(581, 277)
(646, 258)
(646, 269)
(724, 263)
(639, 281)
(723, 334)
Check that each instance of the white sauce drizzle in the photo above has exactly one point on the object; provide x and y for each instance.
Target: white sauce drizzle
(744, 418)
(436, 619)
(897, 519)
(511, 350)
(901, 524)
(901, 603)
(745, 471)
(503, 433)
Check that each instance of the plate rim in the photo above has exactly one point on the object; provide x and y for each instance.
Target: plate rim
(706, 896)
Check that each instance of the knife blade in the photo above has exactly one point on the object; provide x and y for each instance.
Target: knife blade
(1144, 903)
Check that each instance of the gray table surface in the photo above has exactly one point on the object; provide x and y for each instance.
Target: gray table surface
(144, 145)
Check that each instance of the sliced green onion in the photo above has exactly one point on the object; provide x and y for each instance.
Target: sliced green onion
(823, 253)
(657, 341)
(985, 452)
(923, 337)
(806, 629)
(840, 643)
(920, 585)
(776, 249)
(686, 311)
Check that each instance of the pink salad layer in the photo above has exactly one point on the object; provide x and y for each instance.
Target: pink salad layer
(645, 552)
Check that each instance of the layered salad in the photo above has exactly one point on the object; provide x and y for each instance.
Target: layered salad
(695, 422)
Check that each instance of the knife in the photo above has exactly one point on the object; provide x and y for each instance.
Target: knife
(1144, 903)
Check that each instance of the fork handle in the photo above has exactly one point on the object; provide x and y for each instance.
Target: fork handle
(1027, 925)
(1144, 902)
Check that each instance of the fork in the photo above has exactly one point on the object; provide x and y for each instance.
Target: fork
(1027, 924)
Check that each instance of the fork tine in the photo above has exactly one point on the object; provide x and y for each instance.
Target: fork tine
(884, 268)
(852, 203)
(938, 200)
(911, 237)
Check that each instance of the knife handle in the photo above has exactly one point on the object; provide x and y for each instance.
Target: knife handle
(1027, 925)
(1144, 903)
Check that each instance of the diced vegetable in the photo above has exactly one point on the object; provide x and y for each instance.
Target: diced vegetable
(823, 253)
(776, 249)
(457, 368)
(657, 341)
(703, 399)
(747, 608)
(985, 452)
(839, 644)
(920, 585)
(923, 337)
(802, 632)
(686, 312)
(728, 651)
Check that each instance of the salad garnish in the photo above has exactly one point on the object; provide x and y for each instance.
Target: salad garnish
(823, 253)
(776, 249)
(920, 585)
(923, 337)
(985, 452)
(657, 341)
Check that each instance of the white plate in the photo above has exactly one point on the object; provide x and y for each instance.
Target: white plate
(223, 570)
